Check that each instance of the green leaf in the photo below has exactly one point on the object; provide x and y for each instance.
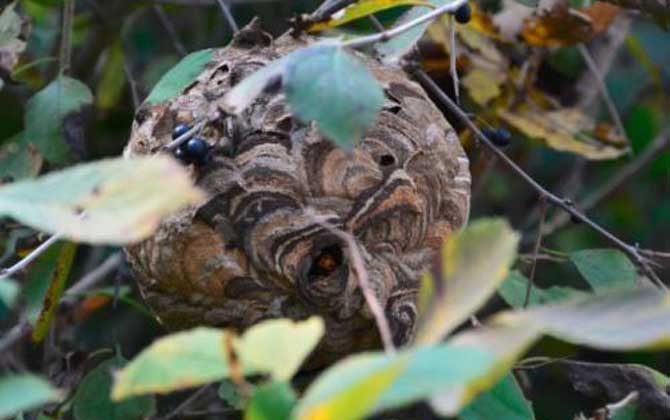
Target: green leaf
(363, 384)
(174, 81)
(19, 159)
(40, 276)
(271, 346)
(473, 263)
(91, 401)
(605, 268)
(24, 392)
(360, 9)
(47, 112)
(272, 401)
(245, 92)
(112, 201)
(506, 343)
(504, 401)
(328, 85)
(201, 356)
(55, 290)
(229, 393)
(513, 292)
(177, 361)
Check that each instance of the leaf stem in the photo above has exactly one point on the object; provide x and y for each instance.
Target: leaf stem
(32, 256)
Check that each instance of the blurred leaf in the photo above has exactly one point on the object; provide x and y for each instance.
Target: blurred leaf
(328, 85)
(483, 86)
(362, 8)
(46, 113)
(505, 343)
(614, 320)
(605, 268)
(177, 361)
(561, 26)
(504, 401)
(180, 76)
(53, 294)
(272, 401)
(513, 292)
(473, 263)
(10, 24)
(24, 392)
(624, 409)
(201, 356)
(110, 87)
(561, 130)
(110, 201)
(19, 159)
(9, 291)
(349, 389)
(91, 400)
(271, 345)
(366, 383)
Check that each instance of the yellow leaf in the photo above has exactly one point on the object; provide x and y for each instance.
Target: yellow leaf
(482, 85)
(361, 9)
(561, 130)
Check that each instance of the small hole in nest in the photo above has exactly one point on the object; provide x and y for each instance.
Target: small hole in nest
(386, 160)
(326, 261)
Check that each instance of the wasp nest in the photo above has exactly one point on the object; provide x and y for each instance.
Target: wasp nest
(258, 249)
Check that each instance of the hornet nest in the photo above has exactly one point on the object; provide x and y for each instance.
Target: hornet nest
(256, 249)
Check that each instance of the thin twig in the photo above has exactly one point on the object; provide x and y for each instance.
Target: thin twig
(328, 8)
(169, 28)
(94, 277)
(536, 251)
(15, 334)
(188, 401)
(361, 273)
(566, 205)
(225, 9)
(621, 177)
(65, 51)
(376, 23)
(32, 256)
(397, 30)
(602, 88)
(452, 57)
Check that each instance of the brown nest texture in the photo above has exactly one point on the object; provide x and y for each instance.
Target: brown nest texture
(258, 248)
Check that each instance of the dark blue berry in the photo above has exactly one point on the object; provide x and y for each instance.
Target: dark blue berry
(180, 130)
(501, 137)
(463, 14)
(179, 154)
(196, 150)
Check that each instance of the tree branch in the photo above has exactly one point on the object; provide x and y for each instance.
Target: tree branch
(564, 204)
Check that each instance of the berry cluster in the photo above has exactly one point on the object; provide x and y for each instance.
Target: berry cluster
(194, 150)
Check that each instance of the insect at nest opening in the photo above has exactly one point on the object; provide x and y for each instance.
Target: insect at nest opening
(329, 259)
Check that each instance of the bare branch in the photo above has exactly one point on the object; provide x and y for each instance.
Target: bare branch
(225, 9)
(65, 54)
